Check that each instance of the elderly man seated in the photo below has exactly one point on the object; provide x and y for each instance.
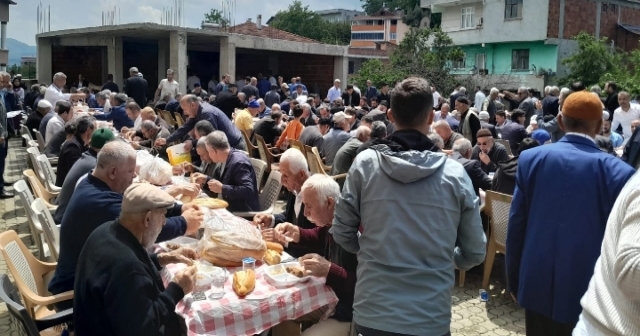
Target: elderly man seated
(199, 173)
(98, 199)
(73, 148)
(347, 153)
(102, 98)
(462, 153)
(319, 194)
(449, 137)
(488, 152)
(151, 132)
(118, 113)
(118, 289)
(237, 183)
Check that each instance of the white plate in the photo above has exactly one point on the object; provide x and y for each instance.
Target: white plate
(184, 241)
(278, 276)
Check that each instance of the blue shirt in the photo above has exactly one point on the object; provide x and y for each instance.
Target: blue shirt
(92, 102)
(118, 115)
(616, 139)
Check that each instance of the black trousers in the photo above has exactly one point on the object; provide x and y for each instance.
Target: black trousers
(364, 331)
(540, 325)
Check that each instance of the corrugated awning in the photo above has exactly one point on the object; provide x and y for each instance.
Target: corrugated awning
(630, 28)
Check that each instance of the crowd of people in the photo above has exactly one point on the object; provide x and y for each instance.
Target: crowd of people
(389, 239)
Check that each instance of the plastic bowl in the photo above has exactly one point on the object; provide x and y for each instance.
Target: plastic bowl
(278, 276)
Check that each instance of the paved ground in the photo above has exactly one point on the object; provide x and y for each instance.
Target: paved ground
(498, 316)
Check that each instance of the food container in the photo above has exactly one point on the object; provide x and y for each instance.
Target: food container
(207, 275)
(182, 241)
(248, 263)
(177, 154)
(278, 275)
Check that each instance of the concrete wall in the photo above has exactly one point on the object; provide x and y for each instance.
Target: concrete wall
(452, 16)
(531, 27)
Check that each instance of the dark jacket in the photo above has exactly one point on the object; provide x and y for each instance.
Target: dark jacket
(268, 129)
(84, 165)
(52, 148)
(70, 153)
(479, 179)
(312, 137)
(550, 105)
(631, 153)
(342, 273)
(30, 98)
(474, 126)
(352, 99)
(239, 185)
(272, 97)
(452, 98)
(504, 180)
(382, 96)
(216, 117)
(611, 104)
(370, 93)
(497, 154)
(92, 204)
(289, 216)
(33, 122)
(11, 101)
(605, 145)
(111, 86)
(490, 127)
(136, 87)
(114, 270)
(309, 121)
(119, 116)
(250, 90)
(227, 102)
(514, 133)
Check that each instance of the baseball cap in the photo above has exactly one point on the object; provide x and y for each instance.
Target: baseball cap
(254, 104)
(340, 117)
(100, 137)
(541, 136)
(141, 197)
(43, 103)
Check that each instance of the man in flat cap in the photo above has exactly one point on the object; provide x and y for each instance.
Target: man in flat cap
(118, 290)
(563, 196)
(136, 87)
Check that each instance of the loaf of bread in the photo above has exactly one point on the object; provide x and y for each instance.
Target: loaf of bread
(229, 241)
(244, 282)
(275, 247)
(272, 257)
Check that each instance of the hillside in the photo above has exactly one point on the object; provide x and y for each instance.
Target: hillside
(18, 49)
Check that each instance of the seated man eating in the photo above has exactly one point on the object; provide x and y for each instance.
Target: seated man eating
(237, 183)
(319, 194)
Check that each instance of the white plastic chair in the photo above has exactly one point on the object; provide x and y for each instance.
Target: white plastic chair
(25, 133)
(40, 139)
(26, 197)
(49, 173)
(268, 197)
(33, 156)
(259, 167)
(49, 227)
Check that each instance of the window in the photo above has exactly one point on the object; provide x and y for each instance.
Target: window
(604, 8)
(352, 67)
(393, 36)
(380, 22)
(613, 8)
(394, 22)
(459, 64)
(481, 61)
(520, 59)
(466, 20)
(513, 9)
(368, 36)
(369, 23)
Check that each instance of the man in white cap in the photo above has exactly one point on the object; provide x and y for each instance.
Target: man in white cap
(136, 87)
(484, 123)
(35, 119)
(336, 137)
(118, 289)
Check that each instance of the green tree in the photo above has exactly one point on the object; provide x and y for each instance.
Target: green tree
(216, 16)
(593, 59)
(413, 13)
(423, 52)
(298, 19)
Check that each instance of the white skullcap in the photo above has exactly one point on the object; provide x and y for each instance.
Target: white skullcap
(43, 103)
(605, 115)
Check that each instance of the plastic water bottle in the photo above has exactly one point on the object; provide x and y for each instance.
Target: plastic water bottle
(484, 296)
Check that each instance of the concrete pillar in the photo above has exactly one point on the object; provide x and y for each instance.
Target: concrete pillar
(273, 64)
(44, 73)
(114, 61)
(178, 58)
(598, 17)
(228, 58)
(341, 69)
(3, 40)
(163, 59)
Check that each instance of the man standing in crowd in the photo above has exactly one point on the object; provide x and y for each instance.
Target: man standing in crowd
(224, 82)
(479, 99)
(611, 103)
(334, 91)
(4, 142)
(553, 237)
(387, 194)
(484, 118)
(384, 94)
(54, 91)
(469, 122)
(136, 87)
(460, 91)
(515, 131)
(228, 101)
(625, 114)
(370, 91)
(167, 86)
(350, 97)
(489, 105)
(110, 85)
(336, 137)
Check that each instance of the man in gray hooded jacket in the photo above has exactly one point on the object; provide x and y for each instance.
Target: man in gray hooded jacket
(415, 205)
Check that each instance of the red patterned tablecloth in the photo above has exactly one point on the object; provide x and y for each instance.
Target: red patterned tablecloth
(264, 308)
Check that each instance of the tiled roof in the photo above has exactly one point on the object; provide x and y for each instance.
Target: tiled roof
(630, 28)
(250, 28)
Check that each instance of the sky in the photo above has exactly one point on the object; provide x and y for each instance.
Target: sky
(69, 14)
